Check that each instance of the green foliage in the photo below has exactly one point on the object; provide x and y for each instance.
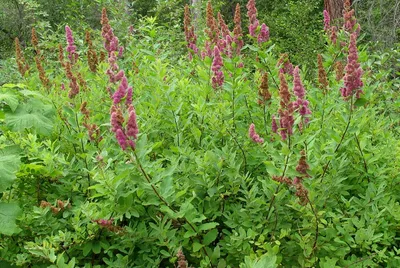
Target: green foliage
(196, 182)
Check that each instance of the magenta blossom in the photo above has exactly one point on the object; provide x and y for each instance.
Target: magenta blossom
(132, 127)
(298, 87)
(327, 21)
(120, 51)
(300, 104)
(263, 36)
(129, 94)
(121, 138)
(121, 91)
(71, 48)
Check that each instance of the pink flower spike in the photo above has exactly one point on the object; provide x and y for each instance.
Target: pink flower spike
(327, 21)
(121, 138)
(263, 36)
(218, 76)
(121, 91)
(132, 127)
(71, 48)
(352, 78)
(274, 125)
(298, 87)
(129, 94)
(253, 28)
(253, 135)
(120, 51)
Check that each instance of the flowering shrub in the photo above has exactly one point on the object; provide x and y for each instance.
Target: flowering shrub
(241, 160)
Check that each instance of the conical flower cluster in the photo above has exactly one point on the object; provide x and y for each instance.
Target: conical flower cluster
(353, 71)
(126, 131)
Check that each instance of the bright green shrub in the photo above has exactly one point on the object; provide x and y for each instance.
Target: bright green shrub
(195, 181)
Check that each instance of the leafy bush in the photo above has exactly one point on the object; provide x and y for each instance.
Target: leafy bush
(129, 156)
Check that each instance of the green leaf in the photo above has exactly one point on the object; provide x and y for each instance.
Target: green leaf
(32, 115)
(8, 215)
(87, 248)
(189, 233)
(208, 226)
(96, 247)
(197, 246)
(360, 102)
(10, 99)
(9, 85)
(216, 253)
(9, 165)
(210, 237)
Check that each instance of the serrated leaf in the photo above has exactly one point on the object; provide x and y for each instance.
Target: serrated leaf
(8, 216)
(9, 165)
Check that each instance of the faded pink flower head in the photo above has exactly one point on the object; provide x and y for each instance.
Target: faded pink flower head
(253, 135)
(296, 180)
(300, 104)
(333, 35)
(286, 122)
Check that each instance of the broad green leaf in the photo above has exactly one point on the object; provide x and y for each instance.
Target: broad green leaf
(32, 115)
(9, 165)
(10, 99)
(8, 215)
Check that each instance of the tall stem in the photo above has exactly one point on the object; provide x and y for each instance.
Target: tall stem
(341, 139)
(148, 179)
(279, 186)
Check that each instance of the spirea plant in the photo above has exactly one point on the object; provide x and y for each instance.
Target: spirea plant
(115, 153)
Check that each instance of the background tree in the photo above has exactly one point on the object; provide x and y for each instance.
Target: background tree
(334, 8)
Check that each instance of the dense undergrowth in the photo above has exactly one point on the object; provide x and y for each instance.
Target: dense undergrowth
(118, 153)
